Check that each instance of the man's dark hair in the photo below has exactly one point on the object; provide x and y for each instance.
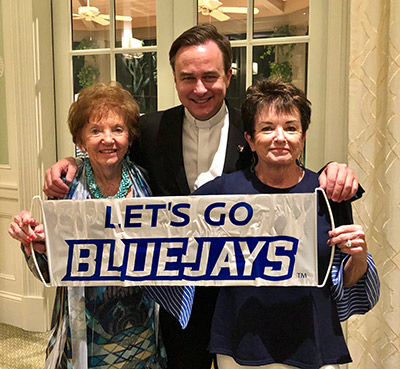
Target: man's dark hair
(199, 35)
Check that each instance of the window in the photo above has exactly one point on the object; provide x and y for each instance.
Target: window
(103, 40)
(304, 40)
(116, 40)
(273, 35)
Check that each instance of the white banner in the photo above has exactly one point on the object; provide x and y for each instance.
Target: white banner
(195, 240)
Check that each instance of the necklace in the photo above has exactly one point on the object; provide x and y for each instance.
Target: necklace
(94, 189)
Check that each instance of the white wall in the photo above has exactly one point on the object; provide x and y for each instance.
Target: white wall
(31, 141)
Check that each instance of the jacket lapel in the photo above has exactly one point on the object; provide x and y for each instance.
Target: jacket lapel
(236, 144)
(170, 144)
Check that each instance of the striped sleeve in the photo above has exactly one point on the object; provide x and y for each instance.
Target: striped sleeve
(359, 298)
(42, 263)
(177, 300)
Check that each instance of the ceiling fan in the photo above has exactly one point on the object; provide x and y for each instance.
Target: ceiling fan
(214, 8)
(92, 14)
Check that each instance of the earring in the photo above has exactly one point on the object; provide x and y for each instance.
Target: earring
(254, 160)
(300, 160)
(127, 155)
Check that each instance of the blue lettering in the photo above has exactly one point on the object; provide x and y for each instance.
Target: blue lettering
(108, 223)
(84, 259)
(155, 208)
(282, 251)
(207, 215)
(178, 259)
(237, 206)
(185, 217)
(129, 216)
(83, 254)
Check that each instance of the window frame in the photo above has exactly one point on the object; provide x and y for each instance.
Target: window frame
(326, 79)
(63, 63)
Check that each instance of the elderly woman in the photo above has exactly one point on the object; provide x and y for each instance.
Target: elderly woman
(120, 321)
(290, 327)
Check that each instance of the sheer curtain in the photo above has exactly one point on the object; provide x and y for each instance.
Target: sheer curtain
(374, 154)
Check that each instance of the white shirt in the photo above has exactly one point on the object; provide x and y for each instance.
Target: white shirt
(204, 147)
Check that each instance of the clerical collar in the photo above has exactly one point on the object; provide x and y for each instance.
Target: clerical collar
(213, 121)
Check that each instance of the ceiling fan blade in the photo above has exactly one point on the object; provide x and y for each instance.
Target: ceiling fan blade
(124, 18)
(209, 4)
(219, 16)
(212, 4)
(236, 9)
(88, 11)
(101, 21)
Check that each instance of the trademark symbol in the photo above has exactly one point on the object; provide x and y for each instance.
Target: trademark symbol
(301, 275)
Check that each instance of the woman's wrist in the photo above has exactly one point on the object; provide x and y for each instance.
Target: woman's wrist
(356, 266)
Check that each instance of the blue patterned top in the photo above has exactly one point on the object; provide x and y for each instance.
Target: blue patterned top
(120, 321)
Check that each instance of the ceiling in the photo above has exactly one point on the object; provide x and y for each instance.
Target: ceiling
(143, 13)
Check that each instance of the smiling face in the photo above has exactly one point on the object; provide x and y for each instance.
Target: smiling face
(200, 79)
(106, 140)
(278, 139)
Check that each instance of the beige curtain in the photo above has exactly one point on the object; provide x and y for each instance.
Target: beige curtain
(374, 154)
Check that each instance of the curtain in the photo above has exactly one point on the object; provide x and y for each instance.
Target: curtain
(374, 154)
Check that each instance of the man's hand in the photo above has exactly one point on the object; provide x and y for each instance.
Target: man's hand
(339, 182)
(53, 184)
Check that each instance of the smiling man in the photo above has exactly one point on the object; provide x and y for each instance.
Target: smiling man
(201, 80)
(186, 146)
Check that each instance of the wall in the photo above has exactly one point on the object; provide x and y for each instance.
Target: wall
(3, 113)
(31, 140)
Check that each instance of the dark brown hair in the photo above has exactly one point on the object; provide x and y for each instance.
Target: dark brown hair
(97, 101)
(199, 35)
(281, 95)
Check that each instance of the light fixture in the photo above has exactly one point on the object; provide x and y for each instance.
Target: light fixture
(234, 69)
(129, 42)
(255, 68)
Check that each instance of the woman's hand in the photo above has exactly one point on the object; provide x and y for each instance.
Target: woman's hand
(27, 229)
(351, 240)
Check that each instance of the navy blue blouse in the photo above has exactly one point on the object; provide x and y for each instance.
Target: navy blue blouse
(297, 326)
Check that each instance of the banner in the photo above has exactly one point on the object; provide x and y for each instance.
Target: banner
(188, 240)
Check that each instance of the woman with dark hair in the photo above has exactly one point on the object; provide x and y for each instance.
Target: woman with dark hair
(290, 327)
(120, 321)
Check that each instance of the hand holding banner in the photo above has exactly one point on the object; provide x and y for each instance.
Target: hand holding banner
(197, 240)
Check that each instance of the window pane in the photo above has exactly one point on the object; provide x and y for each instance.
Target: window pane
(280, 18)
(90, 24)
(135, 23)
(286, 61)
(237, 87)
(229, 16)
(90, 69)
(3, 115)
(137, 72)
